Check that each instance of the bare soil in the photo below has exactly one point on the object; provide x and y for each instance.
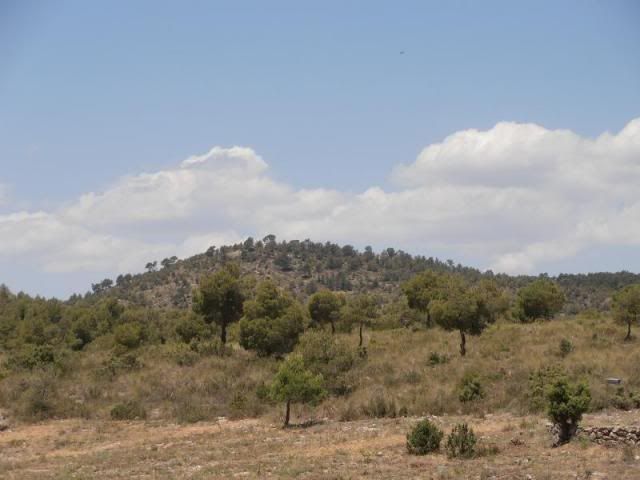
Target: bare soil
(258, 448)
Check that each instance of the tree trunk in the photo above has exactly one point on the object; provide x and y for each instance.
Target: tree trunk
(360, 344)
(428, 318)
(563, 433)
(223, 334)
(463, 344)
(333, 327)
(628, 337)
(287, 414)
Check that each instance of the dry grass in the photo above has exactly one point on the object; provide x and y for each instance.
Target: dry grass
(503, 357)
(397, 372)
(331, 450)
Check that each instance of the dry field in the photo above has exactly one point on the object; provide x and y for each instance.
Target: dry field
(259, 448)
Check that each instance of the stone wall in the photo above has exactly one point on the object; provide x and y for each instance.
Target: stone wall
(611, 435)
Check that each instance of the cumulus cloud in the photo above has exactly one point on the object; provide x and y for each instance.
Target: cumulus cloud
(511, 198)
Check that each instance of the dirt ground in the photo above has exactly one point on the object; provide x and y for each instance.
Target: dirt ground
(258, 448)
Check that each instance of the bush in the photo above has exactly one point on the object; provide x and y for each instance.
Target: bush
(128, 335)
(470, 389)
(539, 383)
(332, 358)
(424, 438)
(183, 355)
(191, 328)
(566, 404)
(566, 347)
(38, 399)
(436, 358)
(626, 400)
(31, 356)
(208, 348)
(461, 442)
(130, 410)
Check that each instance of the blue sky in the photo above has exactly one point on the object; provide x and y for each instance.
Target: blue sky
(93, 91)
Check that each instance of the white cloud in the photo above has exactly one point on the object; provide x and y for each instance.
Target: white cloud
(512, 198)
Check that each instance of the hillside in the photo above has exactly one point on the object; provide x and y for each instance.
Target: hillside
(302, 267)
(134, 352)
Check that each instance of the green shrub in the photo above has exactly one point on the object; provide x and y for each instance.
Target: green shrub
(470, 389)
(332, 358)
(183, 355)
(425, 437)
(191, 328)
(116, 364)
(30, 356)
(566, 347)
(294, 383)
(129, 410)
(208, 348)
(625, 400)
(128, 335)
(461, 442)
(539, 383)
(566, 404)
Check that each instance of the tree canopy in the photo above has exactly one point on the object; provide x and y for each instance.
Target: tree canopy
(540, 299)
(272, 323)
(294, 383)
(324, 307)
(219, 298)
(626, 306)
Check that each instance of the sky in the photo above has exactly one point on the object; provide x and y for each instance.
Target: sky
(503, 135)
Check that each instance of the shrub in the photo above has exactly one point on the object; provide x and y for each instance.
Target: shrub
(183, 355)
(129, 410)
(207, 348)
(191, 328)
(626, 400)
(331, 357)
(37, 401)
(566, 347)
(128, 335)
(436, 358)
(539, 383)
(425, 437)
(31, 356)
(566, 404)
(294, 383)
(461, 442)
(470, 389)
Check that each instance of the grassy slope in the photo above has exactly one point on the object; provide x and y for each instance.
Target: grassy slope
(396, 370)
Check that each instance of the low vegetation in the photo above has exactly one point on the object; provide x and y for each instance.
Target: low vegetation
(246, 346)
(424, 438)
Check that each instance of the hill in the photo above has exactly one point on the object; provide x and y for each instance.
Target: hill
(302, 267)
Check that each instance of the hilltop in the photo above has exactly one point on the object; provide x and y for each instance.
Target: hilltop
(303, 267)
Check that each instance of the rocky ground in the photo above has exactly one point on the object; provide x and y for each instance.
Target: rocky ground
(514, 448)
